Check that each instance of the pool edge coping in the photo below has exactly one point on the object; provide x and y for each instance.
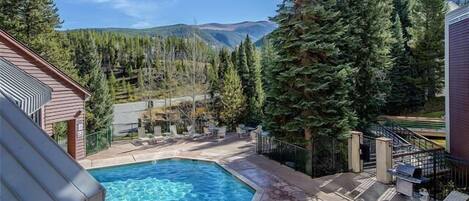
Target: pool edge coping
(257, 195)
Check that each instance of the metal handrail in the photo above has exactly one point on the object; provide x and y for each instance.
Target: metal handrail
(416, 152)
(395, 128)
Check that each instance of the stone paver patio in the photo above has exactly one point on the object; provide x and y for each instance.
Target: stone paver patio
(278, 182)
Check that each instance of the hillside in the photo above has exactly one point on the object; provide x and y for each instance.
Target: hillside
(216, 35)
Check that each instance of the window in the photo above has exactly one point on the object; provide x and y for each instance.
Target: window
(36, 117)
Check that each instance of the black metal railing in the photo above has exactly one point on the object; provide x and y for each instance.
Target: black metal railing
(433, 165)
(96, 142)
(285, 153)
(397, 141)
(370, 143)
(455, 178)
(328, 156)
(419, 141)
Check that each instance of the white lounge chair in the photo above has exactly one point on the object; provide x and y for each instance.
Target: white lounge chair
(157, 133)
(142, 135)
(191, 132)
(254, 133)
(207, 132)
(221, 132)
(173, 132)
(240, 131)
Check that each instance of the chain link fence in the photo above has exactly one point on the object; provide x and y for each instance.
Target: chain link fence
(96, 142)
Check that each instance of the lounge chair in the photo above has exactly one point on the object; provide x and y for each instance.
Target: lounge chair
(143, 137)
(157, 133)
(207, 132)
(254, 133)
(191, 132)
(240, 131)
(221, 132)
(174, 132)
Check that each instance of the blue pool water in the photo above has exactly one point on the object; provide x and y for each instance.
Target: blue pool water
(171, 180)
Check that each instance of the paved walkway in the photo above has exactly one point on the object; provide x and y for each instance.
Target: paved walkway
(126, 115)
(279, 183)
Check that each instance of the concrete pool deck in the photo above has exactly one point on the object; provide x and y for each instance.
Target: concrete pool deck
(277, 182)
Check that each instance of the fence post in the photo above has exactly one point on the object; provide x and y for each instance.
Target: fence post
(383, 159)
(354, 161)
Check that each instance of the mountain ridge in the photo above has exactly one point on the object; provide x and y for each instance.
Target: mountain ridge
(215, 34)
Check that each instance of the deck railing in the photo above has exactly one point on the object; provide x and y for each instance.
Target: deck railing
(455, 178)
(329, 156)
(96, 142)
(413, 138)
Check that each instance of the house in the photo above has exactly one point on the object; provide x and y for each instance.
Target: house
(44, 93)
(457, 82)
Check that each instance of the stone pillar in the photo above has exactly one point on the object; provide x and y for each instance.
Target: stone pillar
(383, 159)
(354, 161)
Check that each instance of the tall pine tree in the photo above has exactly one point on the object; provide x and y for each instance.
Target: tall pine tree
(112, 86)
(99, 106)
(427, 45)
(232, 98)
(33, 22)
(368, 51)
(267, 62)
(402, 96)
(309, 92)
(254, 89)
(243, 70)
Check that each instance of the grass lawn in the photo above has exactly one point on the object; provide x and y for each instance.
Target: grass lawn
(434, 108)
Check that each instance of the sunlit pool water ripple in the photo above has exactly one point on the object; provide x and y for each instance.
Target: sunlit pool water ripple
(172, 180)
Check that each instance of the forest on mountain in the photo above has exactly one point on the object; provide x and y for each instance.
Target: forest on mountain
(214, 34)
(329, 67)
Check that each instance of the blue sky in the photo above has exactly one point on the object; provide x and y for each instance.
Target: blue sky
(150, 13)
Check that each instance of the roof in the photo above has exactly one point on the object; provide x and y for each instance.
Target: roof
(34, 167)
(25, 49)
(29, 93)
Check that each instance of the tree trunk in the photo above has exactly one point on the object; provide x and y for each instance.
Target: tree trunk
(309, 147)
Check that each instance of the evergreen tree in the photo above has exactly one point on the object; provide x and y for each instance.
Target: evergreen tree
(86, 56)
(234, 55)
(402, 8)
(130, 91)
(308, 94)
(112, 86)
(11, 18)
(267, 57)
(368, 51)
(225, 62)
(402, 96)
(232, 98)
(250, 51)
(243, 70)
(427, 44)
(255, 89)
(256, 103)
(140, 80)
(34, 22)
(99, 106)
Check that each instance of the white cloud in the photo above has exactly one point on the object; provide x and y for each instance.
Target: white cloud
(143, 11)
(141, 24)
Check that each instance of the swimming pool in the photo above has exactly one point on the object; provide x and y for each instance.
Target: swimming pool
(172, 180)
